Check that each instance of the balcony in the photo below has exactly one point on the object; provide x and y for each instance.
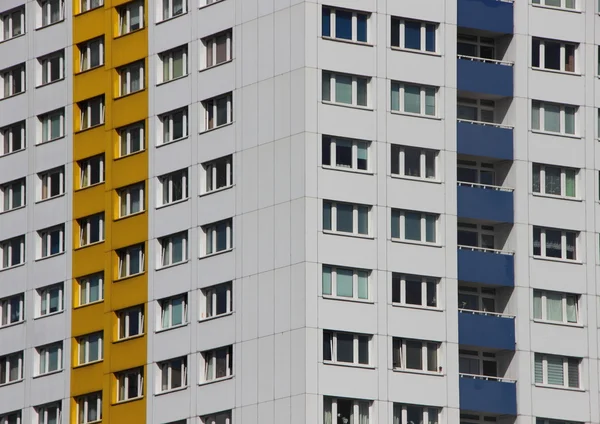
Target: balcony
(484, 139)
(486, 266)
(486, 15)
(488, 394)
(477, 75)
(486, 329)
(485, 202)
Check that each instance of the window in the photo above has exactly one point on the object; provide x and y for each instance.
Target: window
(414, 162)
(13, 252)
(411, 98)
(174, 64)
(345, 411)
(173, 249)
(12, 310)
(13, 138)
(131, 322)
(13, 80)
(346, 282)
(173, 8)
(476, 235)
(130, 384)
(476, 46)
(218, 111)
(173, 311)
(131, 78)
(91, 288)
(52, 125)
(414, 226)
(416, 355)
(218, 237)
(131, 260)
(414, 35)
(131, 17)
(346, 348)
(554, 180)
(217, 364)
(217, 49)
(49, 413)
(409, 414)
(557, 370)
(50, 358)
(13, 195)
(91, 171)
(473, 171)
(131, 139)
(174, 126)
(345, 24)
(51, 299)
(478, 110)
(11, 368)
(346, 218)
(11, 418)
(91, 53)
(415, 290)
(565, 4)
(173, 187)
(554, 243)
(89, 407)
(346, 89)
(84, 6)
(51, 241)
(552, 54)
(12, 23)
(52, 11)
(478, 363)
(555, 306)
(345, 153)
(52, 68)
(216, 300)
(91, 113)
(218, 174)
(91, 229)
(131, 200)
(173, 374)
(219, 418)
(476, 298)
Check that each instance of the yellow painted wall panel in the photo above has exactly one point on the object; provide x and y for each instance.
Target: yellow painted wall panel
(128, 48)
(88, 200)
(86, 379)
(129, 170)
(128, 292)
(128, 109)
(88, 84)
(128, 231)
(89, 25)
(88, 260)
(87, 319)
(128, 354)
(133, 412)
(89, 143)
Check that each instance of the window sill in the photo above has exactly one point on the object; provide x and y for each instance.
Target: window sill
(349, 365)
(12, 267)
(35, 318)
(13, 95)
(89, 69)
(135, 399)
(350, 170)
(216, 128)
(13, 209)
(118, 36)
(339, 233)
(420, 307)
(49, 198)
(82, 130)
(572, 136)
(127, 277)
(216, 380)
(173, 327)
(550, 386)
(553, 196)
(87, 364)
(49, 256)
(172, 265)
(343, 40)
(415, 115)
(329, 102)
(562, 324)
(420, 243)
(160, 84)
(88, 304)
(133, 93)
(226, 314)
(566, 261)
(10, 383)
(12, 38)
(556, 71)
(420, 372)
(88, 245)
(88, 187)
(172, 17)
(423, 52)
(131, 215)
(126, 339)
(61, 20)
(128, 155)
(166, 392)
(220, 252)
(172, 203)
(348, 299)
(225, 62)
(561, 9)
(47, 374)
(12, 153)
(218, 190)
(167, 143)
(52, 139)
(12, 324)
(50, 83)
(209, 4)
(417, 179)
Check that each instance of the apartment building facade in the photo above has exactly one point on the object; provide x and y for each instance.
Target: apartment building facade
(278, 211)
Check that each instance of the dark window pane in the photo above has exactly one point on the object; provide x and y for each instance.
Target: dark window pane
(363, 349)
(345, 347)
(414, 358)
(343, 153)
(430, 37)
(412, 35)
(343, 24)
(552, 55)
(221, 299)
(553, 244)
(326, 151)
(327, 337)
(344, 217)
(361, 27)
(395, 289)
(413, 292)
(395, 32)
(535, 53)
(412, 162)
(326, 22)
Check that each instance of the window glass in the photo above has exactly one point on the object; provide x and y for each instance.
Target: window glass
(344, 282)
(412, 35)
(412, 226)
(343, 24)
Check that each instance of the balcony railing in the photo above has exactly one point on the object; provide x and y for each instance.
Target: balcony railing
(485, 186)
(486, 124)
(485, 313)
(487, 378)
(486, 250)
(485, 60)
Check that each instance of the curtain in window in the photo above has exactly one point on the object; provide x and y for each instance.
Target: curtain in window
(327, 419)
(344, 282)
(432, 356)
(555, 370)
(166, 317)
(343, 89)
(412, 99)
(429, 164)
(429, 101)
(569, 120)
(573, 369)
(539, 369)
(571, 308)
(177, 309)
(537, 304)
(363, 413)
(551, 117)
(570, 176)
(363, 284)
(553, 180)
(536, 178)
(554, 306)
(209, 368)
(42, 362)
(221, 48)
(178, 68)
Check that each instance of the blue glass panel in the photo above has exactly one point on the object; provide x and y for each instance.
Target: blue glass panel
(412, 35)
(343, 24)
(326, 22)
(361, 27)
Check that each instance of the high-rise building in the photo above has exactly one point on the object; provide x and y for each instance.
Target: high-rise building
(304, 212)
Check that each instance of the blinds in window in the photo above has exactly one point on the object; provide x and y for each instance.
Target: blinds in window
(539, 371)
(555, 370)
(573, 372)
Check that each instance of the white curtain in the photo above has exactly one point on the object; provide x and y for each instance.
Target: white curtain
(327, 419)
(363, 413)
(554, 306)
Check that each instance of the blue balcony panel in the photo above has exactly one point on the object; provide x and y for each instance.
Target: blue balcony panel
(484, 77)
(490, 331)
(485, 267)
(484, 140)
(486, 15)
(485, 203)
(488, 396)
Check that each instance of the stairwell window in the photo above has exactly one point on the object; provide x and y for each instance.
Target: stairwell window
(173, 187)
(52, 126)
(553, 55)
(91, 288)
(218, 237)
(414, 226)
(91, 229)
(173, 8)
(90, 348)
(12, 310)
(131, 78)
(346, 89)
(347, 411)
(173, 249)
(130, 384)
(51, 299)
(12, 251)
(173, 374)
(131, 200)
(555, 243)
(217, 48)
(414, 162)
(412, 414)
(131, 139)
(554, 180)
(51, 241)
(416, 355)
(415, 290)
(561, 371)
(91, 54)
(50, 358)
(91, 171)
(345, 153)
(346, 348)
(344, 24)
(218, 111)
(346, 282)
(346, 218)
(12, 23)
(12, 195)
(85, 5)
(13, 138)
(218, 174)
(11, 368)
(216, 300)
(414, 35)
(131, 17)
(173, 312)
(13, 80)
(216, 364)
(173, 126)
(413, 99)
(89, 407)
(91, 113)
(563, 4)
(131, 260)
(51, 68)
(131, 322)
(174, 64)
(556, 306)
(553, 117)
(51, 11)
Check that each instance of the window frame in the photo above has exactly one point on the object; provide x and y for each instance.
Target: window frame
(211, 108)
(538, 108)
(211, 356)
(86, 50)
(124, 317)
(8, 194)
(399, 215)
(7, 18)
(86, 112)
(126, 142)
(165, 370)
(86, 171)
(43, 358)
(209, 240)
(210, 44)
(426, 411)
(123, 384)
(400, 22)
(124, 261)
(210, 295)
(45, 66)
(124, 12)
(6, 365)
(165, 308)
(354, 159)
(45, 121)
(481, 106)
(401, 355)
(333, 221)
(331, 33)
(8, 244)
(227, 415)
(85, 287)
(330, 406)
(85, 225)
(329, 94)
(83, 405)
(166, 189)
(171, 9)
(9, 132)
(169, 56)
(168, 129)
(564, 250)
(399, 87)
(83, 348)
(482, 294)
(45, 13)
(480, 357)
(541, 179)
(43, 412)
(356, 342)
(126, 73)
(11, 82)
(543, 296)
(6, 309)
(484, 234)
(333, 271)
(541, 55)
(126, 203)
(399, 151)
(87, 5)
(399, 281)
(166, 251)
(44, 297)
(210, 175)
(565, 371)
(45, 239)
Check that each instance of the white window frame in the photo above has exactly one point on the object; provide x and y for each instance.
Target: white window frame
(402, 409)
(44, 297)
(168, 6)
(84, 401)
(86, 109)
(124, 12)
(330, 404)
(43, 358)
(165, 187)
(6, 250)
(166, 258)
(45, 241)
(10, 82)
(123, 378)
(212, 418)
(565, 369)
(8, 29)
(210, 237)
(166, 126)
(126, 74)
(563, 244)
(6, 362)
(85, 171)
(210, 106)
(422, 162)
(209, 174)
(6, 306)
(45, 122)
(355, 230)
(424, 355)
(86, 50)
(127, 191)
(210, 357)
(126, 134)
(87, 5)
(402, 34)
(332, 89)
(398, 278)
(165, 308)
(124, 322)
(562, 120)
(209, 301)
(8, 196)
(210, 48)
(563, 44)
(423, 239)
(333, 141)
(543, 296)
(84, 284)
(45, 67)
(85, 229)
(43, 413)
(355, 348)
(333, 270)
(125, 261)
(45, 12)
(165, 372)
(167, 63)
(83, 348)
(7, 138)
(355, 13)
(13, 417)
(563, 180)
(423, 99)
